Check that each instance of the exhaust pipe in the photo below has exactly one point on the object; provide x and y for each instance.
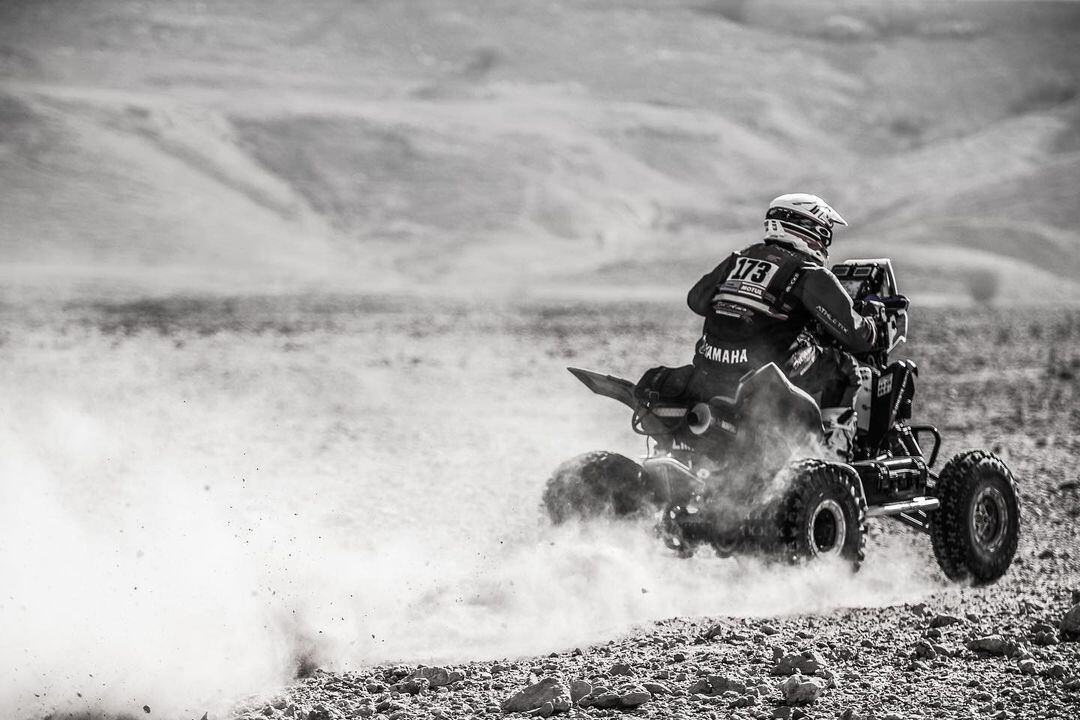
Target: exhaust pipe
(699, 419)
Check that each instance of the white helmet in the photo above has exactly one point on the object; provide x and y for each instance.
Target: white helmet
(802, 222)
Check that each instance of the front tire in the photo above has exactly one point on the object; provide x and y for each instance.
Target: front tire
(596, 484)
(822, 514)
(977, 529)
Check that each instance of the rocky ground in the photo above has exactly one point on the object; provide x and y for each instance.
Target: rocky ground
(1005, 381)
(966, 653)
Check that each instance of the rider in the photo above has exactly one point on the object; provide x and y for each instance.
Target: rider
(758, 306)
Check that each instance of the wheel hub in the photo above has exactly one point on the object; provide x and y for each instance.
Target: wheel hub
(989, 518)
(828, 529)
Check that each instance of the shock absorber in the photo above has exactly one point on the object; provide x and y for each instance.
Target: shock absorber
(907, 444)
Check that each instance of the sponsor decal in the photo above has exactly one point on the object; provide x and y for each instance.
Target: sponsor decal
(825, 315)
(884, 385)
(727, 309)
(727, 356)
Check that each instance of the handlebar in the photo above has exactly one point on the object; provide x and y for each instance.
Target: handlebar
(890, 302)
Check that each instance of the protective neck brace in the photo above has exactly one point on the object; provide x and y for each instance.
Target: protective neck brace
(775, 233)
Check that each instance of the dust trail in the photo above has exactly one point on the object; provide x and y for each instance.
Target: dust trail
(176, 607)
(182, 519)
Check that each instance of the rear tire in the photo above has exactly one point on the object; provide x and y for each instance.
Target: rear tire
(596, 484)
(822, 514)
(977, 529)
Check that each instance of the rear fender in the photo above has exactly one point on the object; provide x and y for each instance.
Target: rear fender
(608, 386)
(766, 396)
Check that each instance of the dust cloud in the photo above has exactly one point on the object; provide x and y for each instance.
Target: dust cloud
(187, 519)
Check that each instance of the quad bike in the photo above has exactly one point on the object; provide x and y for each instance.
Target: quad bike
(746, 472)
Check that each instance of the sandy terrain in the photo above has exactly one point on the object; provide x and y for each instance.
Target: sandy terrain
(257, 488)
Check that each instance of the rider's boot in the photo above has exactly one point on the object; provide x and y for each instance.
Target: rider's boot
(839, 425)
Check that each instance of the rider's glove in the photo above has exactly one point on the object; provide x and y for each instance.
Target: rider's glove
(871, 308)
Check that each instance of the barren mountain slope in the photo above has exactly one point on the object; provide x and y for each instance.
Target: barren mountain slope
(500, 144)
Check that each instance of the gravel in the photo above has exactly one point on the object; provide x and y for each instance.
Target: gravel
(1008, 650)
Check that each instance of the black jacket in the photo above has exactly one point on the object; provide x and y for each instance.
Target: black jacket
(761, 299)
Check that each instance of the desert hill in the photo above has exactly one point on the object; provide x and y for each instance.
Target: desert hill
(586, 146)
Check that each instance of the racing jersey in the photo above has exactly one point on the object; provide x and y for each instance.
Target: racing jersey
(757, 301)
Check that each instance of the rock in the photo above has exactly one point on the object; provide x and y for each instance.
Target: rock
(782, 713)
(769, 629)
(800, 690)
(436, 676)
(545, 710)
(923, 649)
(845, 652)
(1057, 670)
(635, 698)
(607, 701)
(621, 669)
(548, 690)
(701, 686)
(806, 662)
(1027, 667)
(579, 689)
(678, 657)
(1045, 638)
(994, 645)
(615, 700)
(657, 688)
(1070, 623)
(723, 684)
(940, 621)
(412, 686)
(850, 714)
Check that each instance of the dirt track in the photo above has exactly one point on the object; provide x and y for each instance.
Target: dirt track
(1005, 381)
(258, 436)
